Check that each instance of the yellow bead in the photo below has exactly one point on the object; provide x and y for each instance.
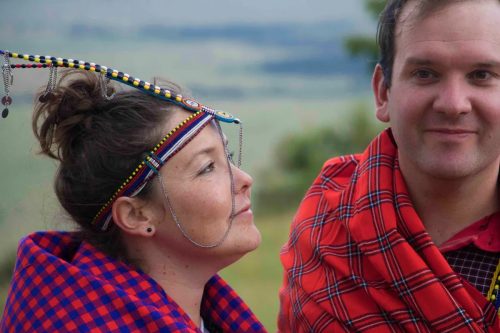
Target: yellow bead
(92, 69)
(26, 57)
(71, 65)
(168, 94)
(125, 78)
(114, 74)
(37, 59)
(136, 83)
(178, 98)
(493, 297)
(14, 55)
(59, 62)
(81, 66)
(157, 91)
(497, 287)
(146, 86)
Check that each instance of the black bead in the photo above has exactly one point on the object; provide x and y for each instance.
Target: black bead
(5, 113)
(46, 97)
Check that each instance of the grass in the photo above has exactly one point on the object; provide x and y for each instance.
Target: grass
(258, 276)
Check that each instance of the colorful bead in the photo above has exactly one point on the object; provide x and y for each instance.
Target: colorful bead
(6, 100)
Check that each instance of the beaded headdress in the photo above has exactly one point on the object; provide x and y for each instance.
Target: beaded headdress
(153, 160)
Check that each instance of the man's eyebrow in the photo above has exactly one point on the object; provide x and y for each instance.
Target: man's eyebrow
(487, 64)
(426, 62)
(418, 61)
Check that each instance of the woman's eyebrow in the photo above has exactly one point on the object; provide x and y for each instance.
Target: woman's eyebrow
(203, 151)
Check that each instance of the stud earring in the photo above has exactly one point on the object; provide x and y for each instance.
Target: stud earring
(149, 230)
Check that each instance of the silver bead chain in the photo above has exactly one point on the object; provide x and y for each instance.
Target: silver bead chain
(233, 205)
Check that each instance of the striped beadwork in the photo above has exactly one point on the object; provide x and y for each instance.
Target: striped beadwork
(154, 160)
(187, 104)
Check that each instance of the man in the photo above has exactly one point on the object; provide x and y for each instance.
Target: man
(406, 236)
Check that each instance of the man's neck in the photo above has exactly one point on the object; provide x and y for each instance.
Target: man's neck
(448, 206)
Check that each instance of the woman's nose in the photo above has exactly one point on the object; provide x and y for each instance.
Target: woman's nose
(242, 179)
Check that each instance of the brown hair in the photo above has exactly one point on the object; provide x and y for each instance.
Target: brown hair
(98, 142)
(387, 25)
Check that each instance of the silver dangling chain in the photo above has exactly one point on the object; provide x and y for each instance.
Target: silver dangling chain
(233, 204)
(240, 154)
(8, 80)
(51, 85)
(104, 87)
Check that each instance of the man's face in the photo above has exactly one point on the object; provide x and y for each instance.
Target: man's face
(444, 101)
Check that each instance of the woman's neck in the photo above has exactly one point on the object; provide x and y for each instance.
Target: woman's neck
(182, 280)
(185, 286)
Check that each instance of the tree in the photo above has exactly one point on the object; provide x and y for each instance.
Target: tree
(366, 46)
(299, 157)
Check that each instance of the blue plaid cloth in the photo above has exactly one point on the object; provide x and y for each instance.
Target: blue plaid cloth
(62, 285)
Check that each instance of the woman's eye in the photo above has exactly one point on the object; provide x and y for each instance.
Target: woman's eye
(230, 156)
(209, 168)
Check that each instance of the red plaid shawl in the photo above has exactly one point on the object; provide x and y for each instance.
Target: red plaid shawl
(64, 286)
(359, 259)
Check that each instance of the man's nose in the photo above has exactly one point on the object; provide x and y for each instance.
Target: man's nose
(452, 97)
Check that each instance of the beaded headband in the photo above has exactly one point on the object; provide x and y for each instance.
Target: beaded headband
(49, 61)
(153, 160)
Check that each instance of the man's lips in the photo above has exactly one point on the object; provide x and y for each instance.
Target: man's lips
(451, 131)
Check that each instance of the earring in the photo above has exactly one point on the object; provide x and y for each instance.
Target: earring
(8, 79)
(51, 85)
(149, 230)
(104, 81)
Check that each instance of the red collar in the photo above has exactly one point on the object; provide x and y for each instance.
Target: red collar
(484, 234)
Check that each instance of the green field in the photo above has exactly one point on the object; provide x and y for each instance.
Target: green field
(27, 202)
(274, 107)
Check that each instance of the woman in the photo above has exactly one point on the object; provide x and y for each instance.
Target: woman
(160, 208)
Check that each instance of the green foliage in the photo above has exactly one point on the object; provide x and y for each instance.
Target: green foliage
(299, 157)
(375, 7)
(6, 268)
(366, 46)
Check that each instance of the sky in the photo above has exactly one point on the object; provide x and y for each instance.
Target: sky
(186, 12)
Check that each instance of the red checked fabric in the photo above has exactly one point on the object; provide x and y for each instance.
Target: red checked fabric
(359, 259)
(61, 285)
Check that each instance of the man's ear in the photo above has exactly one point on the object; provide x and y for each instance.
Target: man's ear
(380, 91)
(133, 216)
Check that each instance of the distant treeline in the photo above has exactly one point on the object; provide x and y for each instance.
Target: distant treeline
(309, 49)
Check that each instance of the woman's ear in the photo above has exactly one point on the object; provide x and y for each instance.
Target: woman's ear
(133, 216)
(380, 91)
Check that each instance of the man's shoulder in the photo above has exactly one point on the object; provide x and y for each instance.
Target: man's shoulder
(337, 171)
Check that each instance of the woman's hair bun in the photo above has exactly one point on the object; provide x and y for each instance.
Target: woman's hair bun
(62, 114)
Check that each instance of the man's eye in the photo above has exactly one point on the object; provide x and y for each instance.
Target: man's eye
(480, 75)
(423, 74)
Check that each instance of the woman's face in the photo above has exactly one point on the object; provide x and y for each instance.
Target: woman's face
(198, 184)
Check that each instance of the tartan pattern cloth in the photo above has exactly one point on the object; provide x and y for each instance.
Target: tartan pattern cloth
(358, 258)
(61, 285)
